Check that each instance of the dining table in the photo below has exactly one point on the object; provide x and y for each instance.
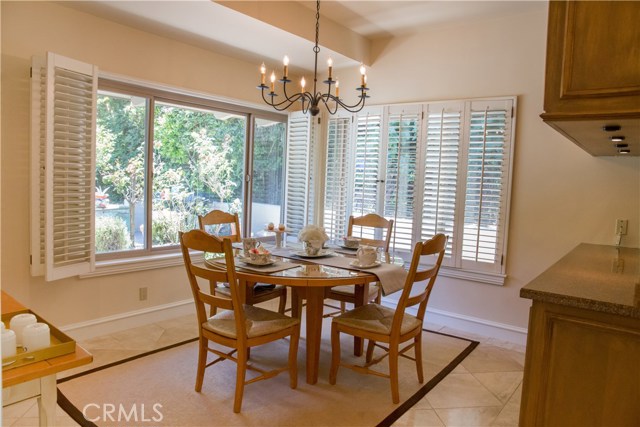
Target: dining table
(310, 276)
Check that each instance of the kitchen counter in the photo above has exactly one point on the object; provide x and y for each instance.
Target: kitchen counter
(594, 277)
(583, 342)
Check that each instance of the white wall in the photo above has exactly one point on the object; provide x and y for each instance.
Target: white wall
(561, 195)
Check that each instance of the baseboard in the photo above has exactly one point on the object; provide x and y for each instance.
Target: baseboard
(473, 325)
(132, 319)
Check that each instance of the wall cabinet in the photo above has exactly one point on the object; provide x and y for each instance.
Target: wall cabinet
(593, 73)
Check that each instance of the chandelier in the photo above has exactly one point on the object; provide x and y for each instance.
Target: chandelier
(310, 100)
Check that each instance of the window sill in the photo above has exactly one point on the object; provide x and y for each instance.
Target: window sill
(473, 276)
(129, 265)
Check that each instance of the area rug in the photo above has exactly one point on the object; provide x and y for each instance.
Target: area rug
(157, 389)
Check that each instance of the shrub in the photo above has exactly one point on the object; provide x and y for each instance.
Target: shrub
(112, 234)
(166, 225)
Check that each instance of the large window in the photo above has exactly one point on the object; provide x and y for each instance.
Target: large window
(433, 168)
(161, 162)
(119, 169)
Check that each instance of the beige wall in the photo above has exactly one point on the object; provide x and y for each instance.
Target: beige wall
(561, 195)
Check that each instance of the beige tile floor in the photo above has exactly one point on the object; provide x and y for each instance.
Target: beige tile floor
(484, 390)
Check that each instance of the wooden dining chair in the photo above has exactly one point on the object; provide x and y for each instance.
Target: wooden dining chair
(227, 225)
(368, 225)
(239, 326)
(380, 324)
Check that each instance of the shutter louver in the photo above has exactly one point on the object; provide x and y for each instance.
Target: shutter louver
(486, 188)
(335, 202)
(69, 176)
(402, 144)
(366, 165)
(441, 156)
(298, 172)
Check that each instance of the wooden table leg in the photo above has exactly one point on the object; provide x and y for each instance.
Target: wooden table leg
(315, 300)
(361, 293)
(47, 401)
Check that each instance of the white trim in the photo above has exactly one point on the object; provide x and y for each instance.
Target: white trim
(470, 324)
(182, 91)
(128, 265)
(474, 276)
(119, 322)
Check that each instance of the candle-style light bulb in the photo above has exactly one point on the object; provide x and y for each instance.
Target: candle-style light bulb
(273, 81)
(302, 83)
(285, 61)
(365, 80)
(330, 64)
(363, 73)
(337, 89)
(263, 71)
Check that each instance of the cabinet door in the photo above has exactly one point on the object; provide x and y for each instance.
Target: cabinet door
(593, 57)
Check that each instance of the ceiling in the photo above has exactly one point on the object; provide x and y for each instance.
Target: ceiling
(264, 31)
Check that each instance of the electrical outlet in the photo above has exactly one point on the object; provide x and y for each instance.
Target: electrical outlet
(142, 293)
(621, 227)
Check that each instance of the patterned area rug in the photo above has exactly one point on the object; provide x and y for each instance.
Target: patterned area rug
(157, 389)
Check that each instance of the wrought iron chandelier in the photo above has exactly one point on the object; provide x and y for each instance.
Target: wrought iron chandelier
(311, 100)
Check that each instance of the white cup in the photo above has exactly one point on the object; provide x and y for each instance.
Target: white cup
(36, 336)
(249, 243)
(18, 322)
(8, 343)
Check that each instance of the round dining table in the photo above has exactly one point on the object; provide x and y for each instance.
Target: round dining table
(309, 280)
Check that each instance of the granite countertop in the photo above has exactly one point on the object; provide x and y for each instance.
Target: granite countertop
(594, 277)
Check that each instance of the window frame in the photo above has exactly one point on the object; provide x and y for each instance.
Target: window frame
(180, 98)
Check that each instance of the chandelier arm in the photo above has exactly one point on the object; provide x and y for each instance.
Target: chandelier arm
(279, 105)
(325, 100)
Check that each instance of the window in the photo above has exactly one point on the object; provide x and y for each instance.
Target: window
(161, 159)
(433, 168)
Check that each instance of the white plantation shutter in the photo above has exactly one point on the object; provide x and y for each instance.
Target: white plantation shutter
(403, 134)
(366, 162)
(69, 167)
(337, 175)
(38, 134)
(487, 190)
(299, 192)
(441, 148)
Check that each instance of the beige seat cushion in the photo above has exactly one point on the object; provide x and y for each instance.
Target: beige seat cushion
(351, 290)
(376, 318)
(258, 322)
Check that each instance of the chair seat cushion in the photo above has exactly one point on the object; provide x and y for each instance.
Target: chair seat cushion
(376, 318)
(351, 290)
(258, 322)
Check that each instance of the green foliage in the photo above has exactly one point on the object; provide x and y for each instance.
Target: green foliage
(166, 225)
(111, 234)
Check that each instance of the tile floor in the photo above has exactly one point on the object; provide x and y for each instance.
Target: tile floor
(484, 390)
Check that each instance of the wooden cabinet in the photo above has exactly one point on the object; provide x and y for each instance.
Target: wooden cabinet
(581, 368)
(593, 73)
(583, 344)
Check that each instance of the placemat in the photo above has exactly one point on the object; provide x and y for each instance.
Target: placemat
(272, 268)
(391, 277)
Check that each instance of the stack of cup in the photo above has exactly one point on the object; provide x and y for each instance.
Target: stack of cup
(17, 324)
(36, 336)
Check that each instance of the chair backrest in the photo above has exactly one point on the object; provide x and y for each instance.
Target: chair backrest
(218, 218)
(435, 246)
(198, 240)
(376, 222)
